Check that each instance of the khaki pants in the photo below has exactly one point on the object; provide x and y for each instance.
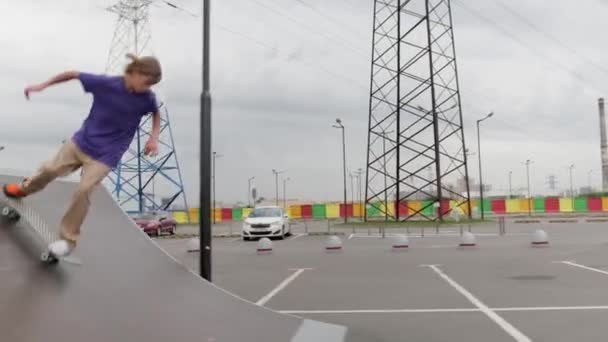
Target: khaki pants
(69, 159)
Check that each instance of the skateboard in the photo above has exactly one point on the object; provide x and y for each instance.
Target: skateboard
(15, 210)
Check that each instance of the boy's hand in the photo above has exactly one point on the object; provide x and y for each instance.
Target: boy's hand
(34, 88)
(151, 148)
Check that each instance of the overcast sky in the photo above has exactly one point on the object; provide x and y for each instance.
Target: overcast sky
(278, 85)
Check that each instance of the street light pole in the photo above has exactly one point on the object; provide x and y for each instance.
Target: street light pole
(571, 187)
(352, 188)
(510, 185)
(205, 153)
(249, 191)
(528, 162)
(276, 184)
(285, 192)
(479, 157)
(339, 125)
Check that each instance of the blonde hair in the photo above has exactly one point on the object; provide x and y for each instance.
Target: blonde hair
(147, 65)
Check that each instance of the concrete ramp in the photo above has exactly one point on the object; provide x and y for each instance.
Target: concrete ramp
(126, 289)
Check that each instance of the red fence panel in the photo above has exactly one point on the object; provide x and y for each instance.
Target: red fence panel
(307, 211)
(594, 203)
(403, 211)
(499, 206)
(551, 205)
(349, 210)
(226, 214)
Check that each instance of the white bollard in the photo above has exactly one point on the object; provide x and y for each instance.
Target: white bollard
(468, 240)
(540, 238)
(400, 242)
(193, 245)
(333, 243)
(264, 246)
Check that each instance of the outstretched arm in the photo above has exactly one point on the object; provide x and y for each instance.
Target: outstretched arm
(63, 77)
(152, 144)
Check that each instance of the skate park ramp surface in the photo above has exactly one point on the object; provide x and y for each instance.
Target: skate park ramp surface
(120, 286)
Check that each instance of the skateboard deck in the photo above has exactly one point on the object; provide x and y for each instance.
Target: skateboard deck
(15, 210)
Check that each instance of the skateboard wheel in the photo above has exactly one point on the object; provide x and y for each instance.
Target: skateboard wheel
(10, 213)
(47, 257)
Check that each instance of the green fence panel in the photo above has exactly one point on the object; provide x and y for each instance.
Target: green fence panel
(487, 206)
(374, 210)
(318, 211)
(428, 208)
(539, 205)
(237, 214)
(580, 204)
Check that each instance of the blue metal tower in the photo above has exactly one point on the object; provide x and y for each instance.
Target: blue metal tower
(137, 178)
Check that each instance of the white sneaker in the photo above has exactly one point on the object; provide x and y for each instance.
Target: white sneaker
(60, 248)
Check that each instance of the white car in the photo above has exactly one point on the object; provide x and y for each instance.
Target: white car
(266, 222)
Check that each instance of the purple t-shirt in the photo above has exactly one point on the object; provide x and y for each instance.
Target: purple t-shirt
(114, 118)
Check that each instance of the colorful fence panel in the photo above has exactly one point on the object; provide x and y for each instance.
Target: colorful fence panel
(428, 208)
(565, 205)
(539, 205)
(180, 216)
(237, 214)
(580, 205)
(295, 212)
(373, 210)
(414, 207)
(604, 203)
(307, 211)
(460, 207)
(358, 210)
(346, 211)
(217, 215)
(332, 211)
(526, 205)
(552, 205)
(595, 204)
(512, 206)
(319, 211)
(499, 207)
(403, 209)
(487, 206)
(194, 215)
(226, 214)
(246, 212)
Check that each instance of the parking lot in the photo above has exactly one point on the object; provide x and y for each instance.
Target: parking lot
(503, 289)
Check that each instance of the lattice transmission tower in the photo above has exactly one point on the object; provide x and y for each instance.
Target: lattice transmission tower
(416, 145)
(137, 177)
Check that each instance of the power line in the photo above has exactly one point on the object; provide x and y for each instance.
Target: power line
(573, 73)
(343, 26)
(277, 50)
(312, 29)
(549, 36)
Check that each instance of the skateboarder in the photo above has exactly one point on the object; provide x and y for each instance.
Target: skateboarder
(119, 103)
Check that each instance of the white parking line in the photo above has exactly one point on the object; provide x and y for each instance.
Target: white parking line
(281, 286)
(295, 312)
(506, 326)
(451, 310)
(430, 235)
(584, 267)
(554, 308)
(298, 236)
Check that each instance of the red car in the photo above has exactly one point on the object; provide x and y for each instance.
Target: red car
(155, 224)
